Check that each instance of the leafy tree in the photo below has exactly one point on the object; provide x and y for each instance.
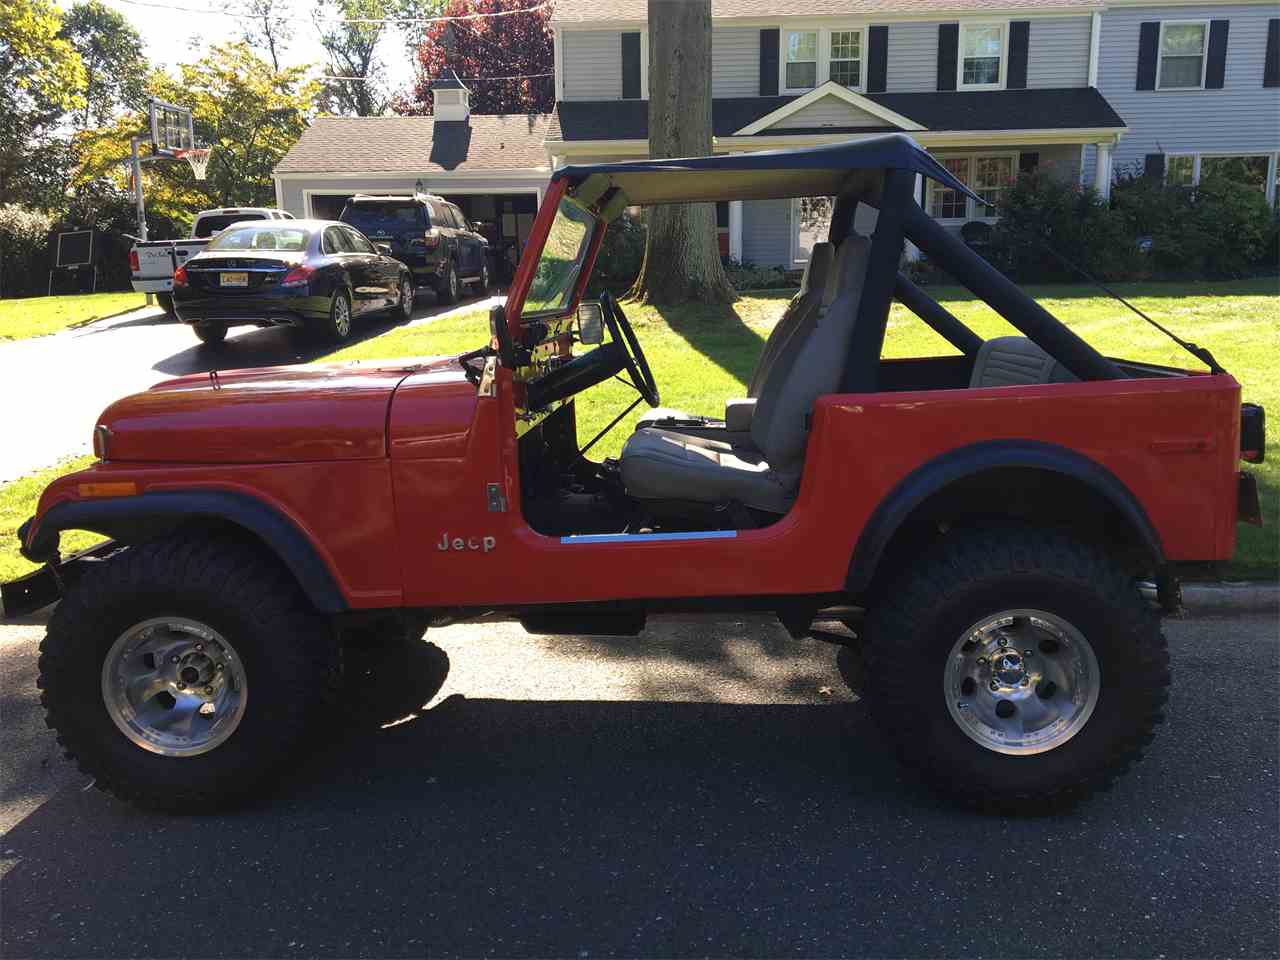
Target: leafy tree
(264, 27)
(510, 46)
(41, 80)
(111, 51)
(352, 49)
(681, 257)
(249, 113)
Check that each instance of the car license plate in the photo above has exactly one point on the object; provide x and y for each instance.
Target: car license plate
(234, 280)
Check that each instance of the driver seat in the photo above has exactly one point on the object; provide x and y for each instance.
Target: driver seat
(762, 471)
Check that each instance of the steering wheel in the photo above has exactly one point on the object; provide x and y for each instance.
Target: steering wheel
(622, 333)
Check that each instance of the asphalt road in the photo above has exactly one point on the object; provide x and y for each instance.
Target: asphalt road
(704, 790)
(53, 388)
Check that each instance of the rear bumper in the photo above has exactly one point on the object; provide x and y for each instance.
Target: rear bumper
(153, 284)
(249, 310)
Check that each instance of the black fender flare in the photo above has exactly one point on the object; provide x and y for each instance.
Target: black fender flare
(133, 520)
(959, 464)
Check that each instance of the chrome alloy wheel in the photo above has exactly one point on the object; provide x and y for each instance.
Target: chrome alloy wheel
(1021, 682)
(341, 315)
(406, 298)
(174, 686)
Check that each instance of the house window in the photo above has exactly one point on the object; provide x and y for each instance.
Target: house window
(802, 60)
(812, 219)
(1182, 55)
(846, 57)
(988, 175)
(981, 56)
(1188, 169)
(1180, 171)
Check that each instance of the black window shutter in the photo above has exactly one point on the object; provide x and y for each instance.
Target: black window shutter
(1028, 161)
(631, 66)
(1148, 54)
(1019, 40)
(1215, 74)
(1271, 66)
(769, 62)
(877, 60)
(1154, 166)
(948, 51)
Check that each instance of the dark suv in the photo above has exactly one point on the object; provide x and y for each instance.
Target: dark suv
(427, 234)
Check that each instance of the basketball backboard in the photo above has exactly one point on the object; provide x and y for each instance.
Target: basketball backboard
(75, 248)
(171, 128)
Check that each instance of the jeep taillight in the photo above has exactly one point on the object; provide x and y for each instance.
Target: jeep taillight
(1253, 433)
(299, 276)
(133, 262)
(180, 277)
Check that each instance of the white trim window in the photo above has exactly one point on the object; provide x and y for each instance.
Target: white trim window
(800, 61)
(1183, 55)
(810, 224)
(982, 63)
(1254, 169)
(988, 175)
(813, 55)
(844, 49)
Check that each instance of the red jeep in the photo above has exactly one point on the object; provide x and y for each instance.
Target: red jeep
(1001, 527)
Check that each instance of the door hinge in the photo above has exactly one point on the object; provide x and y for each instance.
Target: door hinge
(497, 502)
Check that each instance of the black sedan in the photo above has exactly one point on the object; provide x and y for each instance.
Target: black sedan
(315, 274)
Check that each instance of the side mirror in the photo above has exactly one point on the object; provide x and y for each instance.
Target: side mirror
(590, 323)
(383, 248)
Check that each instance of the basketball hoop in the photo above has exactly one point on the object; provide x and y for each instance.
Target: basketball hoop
(198, 158)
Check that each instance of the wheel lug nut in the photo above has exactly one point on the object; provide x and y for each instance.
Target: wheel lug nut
(1004, 641)
(994, 685)
(199, 646)
(1004, 709)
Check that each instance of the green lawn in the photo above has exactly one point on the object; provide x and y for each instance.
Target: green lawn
(701, 356)
(38, 316)
(18, 500)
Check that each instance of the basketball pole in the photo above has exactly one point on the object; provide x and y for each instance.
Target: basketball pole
(138, 202)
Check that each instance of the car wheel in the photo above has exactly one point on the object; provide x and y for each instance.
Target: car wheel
(405, 305)
(447, 290)
(210, 332)
(165, 300)
(1016, 670)
(185, 674)
(482, 285)
(338, 326)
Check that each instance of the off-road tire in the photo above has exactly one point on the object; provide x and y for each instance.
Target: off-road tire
(210, 333)
(910, 633)
(291, 658)
(165, 300)
(449, 287)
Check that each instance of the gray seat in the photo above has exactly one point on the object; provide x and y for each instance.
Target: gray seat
(1016, 362)
(816, 291)
(762, 471)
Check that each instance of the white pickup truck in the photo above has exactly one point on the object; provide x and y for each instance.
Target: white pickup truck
(153, 262)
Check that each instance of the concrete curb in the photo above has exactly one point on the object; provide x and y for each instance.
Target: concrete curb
(1231, 598)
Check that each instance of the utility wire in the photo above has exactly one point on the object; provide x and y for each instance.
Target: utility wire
(357, 20)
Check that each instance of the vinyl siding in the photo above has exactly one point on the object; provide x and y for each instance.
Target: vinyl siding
(766, 233)
(829, 112)
(1058, 52)
(1243, 117)
(913, 57)
(592, 64)
(735, 59)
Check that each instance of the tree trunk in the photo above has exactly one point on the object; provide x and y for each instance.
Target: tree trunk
(681, 254)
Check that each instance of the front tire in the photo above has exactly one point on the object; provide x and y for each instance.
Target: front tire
(482, 285)
(447, 289)
(404, 306)
(184, 674)
(1016, 670)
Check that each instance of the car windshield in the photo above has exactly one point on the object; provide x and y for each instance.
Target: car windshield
(254, 237)
(561, 262)
(208, 226)
(383, 217)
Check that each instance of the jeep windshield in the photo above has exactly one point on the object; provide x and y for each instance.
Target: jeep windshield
(561, 261)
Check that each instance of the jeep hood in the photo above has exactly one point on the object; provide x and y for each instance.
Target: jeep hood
(269, 415)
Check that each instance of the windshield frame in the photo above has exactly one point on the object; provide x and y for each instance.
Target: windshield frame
(553, 204)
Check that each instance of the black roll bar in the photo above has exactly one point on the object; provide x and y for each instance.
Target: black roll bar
(937, 317)
(1042, 327)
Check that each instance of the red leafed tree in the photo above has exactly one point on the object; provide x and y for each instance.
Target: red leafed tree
(518, 45)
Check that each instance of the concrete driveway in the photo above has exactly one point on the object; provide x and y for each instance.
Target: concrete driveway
(53, 388)
(707, 789)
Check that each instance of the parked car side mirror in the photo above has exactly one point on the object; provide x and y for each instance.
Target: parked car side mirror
(590, 323)
(383, 248)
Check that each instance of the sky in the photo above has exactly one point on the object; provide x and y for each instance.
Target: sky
(178, 31)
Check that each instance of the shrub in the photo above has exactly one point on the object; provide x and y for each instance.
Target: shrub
(24, 242)
(1042, 212)
(748, 276)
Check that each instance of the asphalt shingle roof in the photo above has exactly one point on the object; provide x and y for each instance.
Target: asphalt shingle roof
(1052, 109)
(419, 144)
(587, 11)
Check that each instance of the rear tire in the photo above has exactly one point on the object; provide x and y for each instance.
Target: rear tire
(482, 285)
(447, 290)
(104, 699)
(165, 300)
(403, 310)
(968, 724)
(210, 333)
(337, 327)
